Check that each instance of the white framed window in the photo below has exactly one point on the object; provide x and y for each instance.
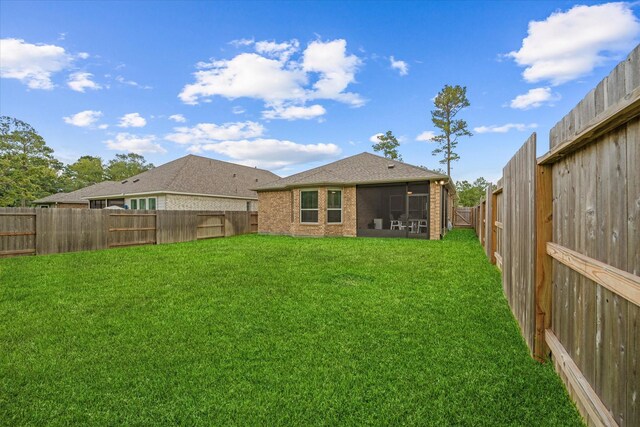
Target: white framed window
(134, 203)
(309, 206)
(142, 203)
(334, 206)
(152, 203)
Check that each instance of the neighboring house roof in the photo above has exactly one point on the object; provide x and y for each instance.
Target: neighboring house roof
(192, 175)
(363, 168)
(78, 196)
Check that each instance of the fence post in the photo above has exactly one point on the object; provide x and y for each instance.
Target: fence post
(543, 273)
(494, 236)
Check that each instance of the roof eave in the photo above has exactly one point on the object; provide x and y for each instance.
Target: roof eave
(146, 193)
(352, 183)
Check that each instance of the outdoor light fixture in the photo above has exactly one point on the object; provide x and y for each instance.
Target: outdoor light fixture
(442, 182)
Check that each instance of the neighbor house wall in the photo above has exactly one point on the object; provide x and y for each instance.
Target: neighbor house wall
(161, 201)
(186, 202)
(65, 205)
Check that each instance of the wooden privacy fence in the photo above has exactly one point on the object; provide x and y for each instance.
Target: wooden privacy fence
(27, 231)
(567, 239)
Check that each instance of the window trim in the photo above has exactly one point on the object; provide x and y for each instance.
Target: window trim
(132, 202)
(155, 203)
(335, 209)
(317, 209)
(140, 204)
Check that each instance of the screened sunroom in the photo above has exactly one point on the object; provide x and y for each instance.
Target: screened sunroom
(393, 210)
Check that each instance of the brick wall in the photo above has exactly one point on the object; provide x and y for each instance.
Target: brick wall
(435, 203)
(274, 212)
(277, 208)
(184, 202)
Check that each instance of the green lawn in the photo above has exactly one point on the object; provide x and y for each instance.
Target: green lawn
(263, 330)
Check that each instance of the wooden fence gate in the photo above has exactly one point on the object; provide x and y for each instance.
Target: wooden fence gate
(463, 218)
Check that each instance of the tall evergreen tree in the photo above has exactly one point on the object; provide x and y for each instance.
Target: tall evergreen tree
(448, 103)
(28, 169)
(388, 144)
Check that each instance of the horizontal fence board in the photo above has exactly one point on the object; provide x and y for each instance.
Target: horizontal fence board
(618, 281)
(578, 385)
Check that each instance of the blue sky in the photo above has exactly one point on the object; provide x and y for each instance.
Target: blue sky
(291, 85)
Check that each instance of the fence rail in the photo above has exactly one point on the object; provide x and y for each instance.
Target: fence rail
(30, 231)
(567, 240)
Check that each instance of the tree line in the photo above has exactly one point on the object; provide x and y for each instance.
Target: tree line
(29, 170)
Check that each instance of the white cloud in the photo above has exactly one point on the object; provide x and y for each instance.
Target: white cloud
(336, 71)
(103, 126)
(83, 55)
(323, 70)
(281, 51)
(568, 45)
(374, 138)
(534, 98)
(32, 64)
(124, 81)
(426, 136)
(272, 153)
(246, 75)
(178, 118)
(132, 120)
(242, 42)
(238, 110)
(294, 112)
(204, 133)
(83, 119)
(81, 81)
(135, 144)
(505, 128)
(401, 66)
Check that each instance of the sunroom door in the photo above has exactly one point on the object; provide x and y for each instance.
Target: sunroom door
(418, 216)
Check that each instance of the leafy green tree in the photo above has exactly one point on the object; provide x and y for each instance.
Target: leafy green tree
(28, 169)
(126, 165)
(469, 194)
(448, 103)
(87, 170)
(388, 144)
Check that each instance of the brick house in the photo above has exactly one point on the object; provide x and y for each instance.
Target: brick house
(361, 195)
(188, 183)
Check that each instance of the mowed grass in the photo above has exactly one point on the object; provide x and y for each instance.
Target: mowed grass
(264, 330)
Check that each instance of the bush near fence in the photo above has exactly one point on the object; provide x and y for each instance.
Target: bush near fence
(564, 229)
(30, 231)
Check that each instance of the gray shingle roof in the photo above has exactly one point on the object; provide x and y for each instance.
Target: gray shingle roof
(195, 175)
(78, 196)
(362, 168)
